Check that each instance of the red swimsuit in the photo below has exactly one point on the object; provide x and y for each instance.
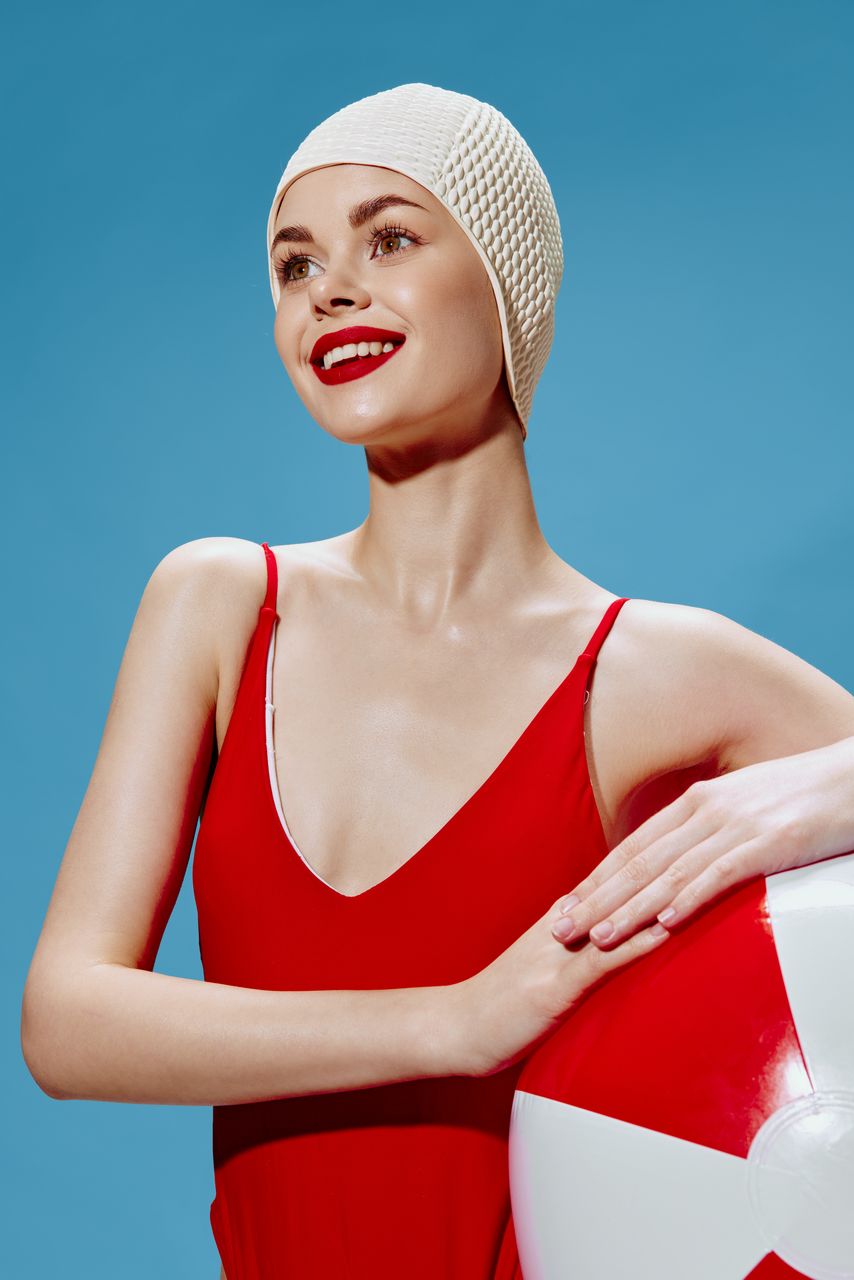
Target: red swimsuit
(408, 1179)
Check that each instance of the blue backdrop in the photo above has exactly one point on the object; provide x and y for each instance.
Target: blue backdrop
(691, 438)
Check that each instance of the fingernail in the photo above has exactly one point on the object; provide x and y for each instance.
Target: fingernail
(666, 915)
(563, 929)
(600, 932)
(572, 901)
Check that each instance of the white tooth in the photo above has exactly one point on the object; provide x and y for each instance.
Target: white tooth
(375, 348)
(337, 353)
(363, 348)
(388, 346)
(327, 360)
(349, 349)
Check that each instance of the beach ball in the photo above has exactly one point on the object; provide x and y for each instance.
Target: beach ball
(692, 1118)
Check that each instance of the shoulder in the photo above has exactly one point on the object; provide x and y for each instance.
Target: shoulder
(230, 574)
(206, 594)
(744, 682)
(710, 691)
(206, 566)
(214, 588)
(656, 722)
(657, 699)
(681, 636)
(656, 643)
(213, 579)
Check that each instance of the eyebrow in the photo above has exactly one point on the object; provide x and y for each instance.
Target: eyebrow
(357, 217)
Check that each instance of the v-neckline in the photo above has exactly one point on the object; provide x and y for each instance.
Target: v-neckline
(273, 791)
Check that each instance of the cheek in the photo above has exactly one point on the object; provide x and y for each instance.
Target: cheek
(458, 320)
(279, 330)
(284, 339)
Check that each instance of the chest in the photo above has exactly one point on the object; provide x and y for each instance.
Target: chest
(373, 748)
(372, 757)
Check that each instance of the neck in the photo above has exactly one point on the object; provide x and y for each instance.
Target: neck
(450, 531)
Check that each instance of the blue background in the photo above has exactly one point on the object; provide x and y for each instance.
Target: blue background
(690, 441)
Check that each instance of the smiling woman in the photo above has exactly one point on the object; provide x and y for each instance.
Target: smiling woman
(430, 302)
(398, 753)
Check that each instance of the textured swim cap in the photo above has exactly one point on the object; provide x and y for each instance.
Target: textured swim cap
(472, 159)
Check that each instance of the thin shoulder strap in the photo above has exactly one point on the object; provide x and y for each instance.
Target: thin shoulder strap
(604, 627)
(272, 579)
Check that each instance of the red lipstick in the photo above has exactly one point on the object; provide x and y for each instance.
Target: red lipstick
(354, 366)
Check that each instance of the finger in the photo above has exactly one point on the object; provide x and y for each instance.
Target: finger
(660, 824)
(672, 882)
(644, 885)
(634, 947)
(729, 865)
(732, 867)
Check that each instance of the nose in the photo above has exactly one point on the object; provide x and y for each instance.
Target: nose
(337, 291)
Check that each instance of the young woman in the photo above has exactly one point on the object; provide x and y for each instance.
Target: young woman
(400, 761)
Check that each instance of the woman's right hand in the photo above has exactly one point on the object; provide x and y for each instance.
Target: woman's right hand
(513, 1004)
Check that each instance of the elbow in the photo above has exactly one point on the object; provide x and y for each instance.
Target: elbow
(42, 1039)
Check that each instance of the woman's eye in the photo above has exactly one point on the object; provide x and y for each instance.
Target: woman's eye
(392, 238)
(293, 269)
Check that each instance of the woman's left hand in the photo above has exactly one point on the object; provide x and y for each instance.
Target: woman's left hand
(764, 817)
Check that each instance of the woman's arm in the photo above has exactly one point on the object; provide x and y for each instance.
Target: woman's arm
(97, 1022)
(114, 1033)
(781, 733)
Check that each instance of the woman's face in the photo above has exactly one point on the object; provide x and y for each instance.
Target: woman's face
(407, 269)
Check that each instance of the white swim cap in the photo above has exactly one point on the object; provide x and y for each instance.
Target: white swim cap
(472, 159)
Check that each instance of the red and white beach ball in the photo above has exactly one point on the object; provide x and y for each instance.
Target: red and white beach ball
(693, 1116)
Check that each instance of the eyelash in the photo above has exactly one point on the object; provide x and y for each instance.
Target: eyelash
(281, 266)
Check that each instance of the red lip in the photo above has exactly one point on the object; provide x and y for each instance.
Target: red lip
(355, 333)
(358, 367)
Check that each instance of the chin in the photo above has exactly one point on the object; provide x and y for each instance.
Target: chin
(364, 421)
(355, 428)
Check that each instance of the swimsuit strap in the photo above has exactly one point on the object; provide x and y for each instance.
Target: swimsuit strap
(604, 627)
(272, 579)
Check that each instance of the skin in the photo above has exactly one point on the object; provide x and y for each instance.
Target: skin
(430, 601)
(447, 604)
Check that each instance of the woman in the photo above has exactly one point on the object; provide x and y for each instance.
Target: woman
(373, 978)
